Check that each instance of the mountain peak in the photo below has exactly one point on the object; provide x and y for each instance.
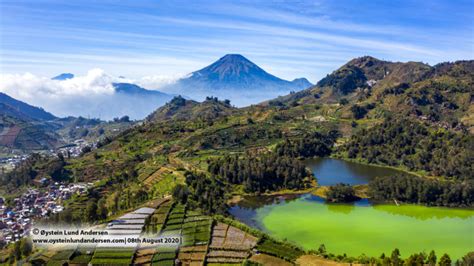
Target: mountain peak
(232, 68)
(234, 56)
(236, 78)
(63, 76)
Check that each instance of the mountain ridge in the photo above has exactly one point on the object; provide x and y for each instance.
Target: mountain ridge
(33, 112)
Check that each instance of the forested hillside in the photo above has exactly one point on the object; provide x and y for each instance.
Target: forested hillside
(411, 144)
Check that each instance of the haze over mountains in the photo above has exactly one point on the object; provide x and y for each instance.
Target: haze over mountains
(236, 78)
(98, 95)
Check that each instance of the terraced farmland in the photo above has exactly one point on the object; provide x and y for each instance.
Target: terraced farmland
(166, 255)
(196, 235)
(204, 241)
(112, 256)
(229, 245)
(145, 252)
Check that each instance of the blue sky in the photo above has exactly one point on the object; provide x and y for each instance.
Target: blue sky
(287, 38)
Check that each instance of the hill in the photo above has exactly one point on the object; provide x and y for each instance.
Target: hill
(370, 88)
(19, 134)
(181, 109)
(23, 110)
(22, 129)
(236, 78)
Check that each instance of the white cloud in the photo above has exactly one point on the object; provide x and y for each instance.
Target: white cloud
(154, 82)
(30, 87)
(91, 95)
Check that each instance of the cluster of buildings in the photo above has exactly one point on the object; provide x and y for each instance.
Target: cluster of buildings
(12, 161)
(16, 218)
(75, 149)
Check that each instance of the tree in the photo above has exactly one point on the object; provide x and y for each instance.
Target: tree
(468, 259)
(395, 258)
(17, 250)
(26, 247)
(181, 193)
(322, 249)
(343, 101)
(386, 261)
(101, 209)
(358, 111)
(432, 258)
(445, 260)
(91, 211)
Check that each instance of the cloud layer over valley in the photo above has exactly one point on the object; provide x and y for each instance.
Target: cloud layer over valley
(91, 95)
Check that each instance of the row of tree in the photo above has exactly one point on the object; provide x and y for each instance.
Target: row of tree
(418, 190)
(401, 142)
(310, 145)
(261, 173)
(395, 259)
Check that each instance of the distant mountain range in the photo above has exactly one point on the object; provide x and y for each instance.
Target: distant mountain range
(21, 109)
(236, 78)
(127, 100)
(232, 77)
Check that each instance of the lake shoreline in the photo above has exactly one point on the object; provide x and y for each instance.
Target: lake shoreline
(362, 162)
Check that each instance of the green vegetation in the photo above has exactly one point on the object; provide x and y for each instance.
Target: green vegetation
(341, 193)
(278, 249)
(206, 193)
(345, 80)
(310, 145)
(263, 172)
(109, 256)
(418, 190)
(401, 142)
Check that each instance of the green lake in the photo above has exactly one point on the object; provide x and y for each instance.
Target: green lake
(362, 227)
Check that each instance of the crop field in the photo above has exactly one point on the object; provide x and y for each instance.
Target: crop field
(61, 257)
(280, 250)
(196, 235)
(158, 218)
(165, 255)
(82, 256)
(229, 245)
(165, 184)
(145, 252)
(144, 255)
(110, 256)
(156, 176)
(196, 231)
(175, 220)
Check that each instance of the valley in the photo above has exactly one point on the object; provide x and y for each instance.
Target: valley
(410, 165)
